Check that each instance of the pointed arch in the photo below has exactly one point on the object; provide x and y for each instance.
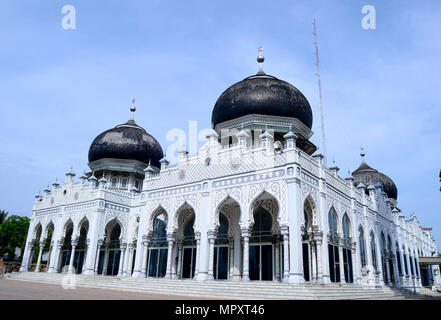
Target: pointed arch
(333, 224)
(182, 215)
(37, 232)
(156, 213)
(270, 203)
(226, 208)
(309, 212)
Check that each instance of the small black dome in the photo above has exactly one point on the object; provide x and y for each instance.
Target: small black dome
(370, 176)
(265, 95)
(126, 141)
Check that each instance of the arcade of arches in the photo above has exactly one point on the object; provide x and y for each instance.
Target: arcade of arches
(259, 252)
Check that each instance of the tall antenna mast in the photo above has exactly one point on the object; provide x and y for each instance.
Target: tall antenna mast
(317, 63)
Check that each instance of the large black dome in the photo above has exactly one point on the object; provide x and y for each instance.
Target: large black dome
(126, 141)
(264, 95)
(370, 176)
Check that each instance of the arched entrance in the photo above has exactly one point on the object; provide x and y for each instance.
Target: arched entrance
(227, 249)
(347, 250)
(110, 257)
(187, 244)
(158, 247)
(384, 259)
(81, 248)
(221, 250)
(66, 249)
(264, 234)
(334, 256)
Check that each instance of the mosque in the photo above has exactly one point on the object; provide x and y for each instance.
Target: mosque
(256, 203)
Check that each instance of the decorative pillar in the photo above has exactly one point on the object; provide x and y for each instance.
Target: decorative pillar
(211, 240)
(106, 259)
(285, 234)
(179, 272)
(295, 214)
(277, 257)
(121, 259)
(56, 264)
(174, 262)
(49, 256)
(72, 256)
(341, 263)
(198, 251)
(171, 240)
(145, 243)
(127, 270)
(42, 243)
(231, 257)
(97, 257)
(318, 238)
(313, 259)
(246, 261)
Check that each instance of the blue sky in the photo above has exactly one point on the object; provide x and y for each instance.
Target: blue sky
(59, 88)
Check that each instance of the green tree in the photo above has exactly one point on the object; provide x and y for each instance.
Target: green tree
(3, 215)
(13, 232)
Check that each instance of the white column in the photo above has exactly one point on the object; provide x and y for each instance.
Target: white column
(295, 213)
(126, 271)
(106, 259)
(51, 246)
(97, 257)
(324, 254)
(179, 271)
(72, 256)
(93, 248)
(246, 259)
(198, 253)
(237, 261)
(25, 261)
(277, 258)
(174, 262)
(342, 267)
(231, 257)
(171, 240)
(211, 240)
(285, 235)
(318, 243)
(42, 243)
(145, 247)
(121, 259)
(203, 250)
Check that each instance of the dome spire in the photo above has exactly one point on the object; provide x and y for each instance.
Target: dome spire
(132, 110)
(260, 59)
(362, 154)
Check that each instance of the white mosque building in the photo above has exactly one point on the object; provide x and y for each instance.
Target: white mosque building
(256, 203)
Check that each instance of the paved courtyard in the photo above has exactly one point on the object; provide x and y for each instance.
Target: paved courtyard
(26, 290)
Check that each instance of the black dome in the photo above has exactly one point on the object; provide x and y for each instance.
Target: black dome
(126, 141)
(265, 95)
(370, 176)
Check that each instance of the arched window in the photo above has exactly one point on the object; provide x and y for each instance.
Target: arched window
(362, 244)
(124, 183)
(114, 182)
(333, 225)
(333, 252)
(346, 231)
(347, 252)
(158, 248)
(373, 251)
